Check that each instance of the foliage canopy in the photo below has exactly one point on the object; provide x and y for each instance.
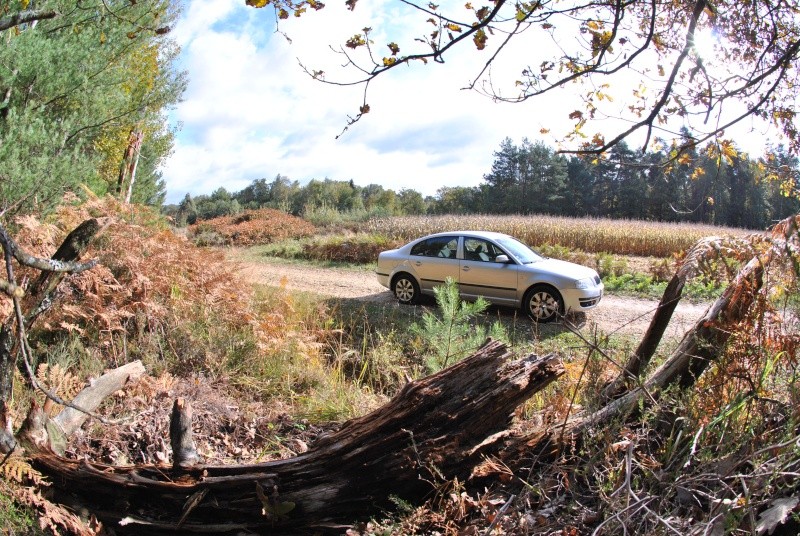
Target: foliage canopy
(76, 79)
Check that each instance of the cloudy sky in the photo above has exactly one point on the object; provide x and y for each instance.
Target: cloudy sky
(251, 112)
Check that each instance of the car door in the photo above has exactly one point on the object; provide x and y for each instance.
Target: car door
(481, 275)
(434, 260)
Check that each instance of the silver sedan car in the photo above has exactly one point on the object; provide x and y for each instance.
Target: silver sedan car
(495, 266)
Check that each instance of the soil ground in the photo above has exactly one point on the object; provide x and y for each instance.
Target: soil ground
(614, 314)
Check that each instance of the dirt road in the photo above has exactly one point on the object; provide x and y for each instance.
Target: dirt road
(613, 315)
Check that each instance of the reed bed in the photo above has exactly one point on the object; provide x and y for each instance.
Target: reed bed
(592, 235)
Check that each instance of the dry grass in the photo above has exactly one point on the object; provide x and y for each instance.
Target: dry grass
(591, 235)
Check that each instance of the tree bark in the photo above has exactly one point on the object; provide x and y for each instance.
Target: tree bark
(434, 430)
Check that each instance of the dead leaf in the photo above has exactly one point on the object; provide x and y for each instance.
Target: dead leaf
(776, 515)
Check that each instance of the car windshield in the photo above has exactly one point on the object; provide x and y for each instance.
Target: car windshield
(523, 253)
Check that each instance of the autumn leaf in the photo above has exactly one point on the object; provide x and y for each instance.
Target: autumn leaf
(394, 48)
(364, 109)
(728, 150)
(453, 27)
(593, 25)
(283, 14)
(356, 41)
(600, 42)
(480, 39)
(351, 4)
(387, 62)
(482, 13)
(577, 114)
(257, 3)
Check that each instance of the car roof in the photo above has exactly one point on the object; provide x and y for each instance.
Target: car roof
(478, 234)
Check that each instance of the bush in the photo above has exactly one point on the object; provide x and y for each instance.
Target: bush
(250, 228)
(357, 249)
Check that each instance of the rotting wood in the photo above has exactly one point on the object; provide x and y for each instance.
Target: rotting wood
(436, 429)
(91, 396)
(184, 451)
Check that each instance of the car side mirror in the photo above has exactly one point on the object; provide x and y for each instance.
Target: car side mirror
(501, 258)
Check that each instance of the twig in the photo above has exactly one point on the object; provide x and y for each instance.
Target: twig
(500, 514)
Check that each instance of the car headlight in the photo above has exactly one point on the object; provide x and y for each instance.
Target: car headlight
(584, 284)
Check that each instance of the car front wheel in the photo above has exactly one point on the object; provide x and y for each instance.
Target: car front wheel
(543, 303)
(405, 289)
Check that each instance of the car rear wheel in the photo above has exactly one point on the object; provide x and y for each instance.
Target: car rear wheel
(543, 303)
(405, 289)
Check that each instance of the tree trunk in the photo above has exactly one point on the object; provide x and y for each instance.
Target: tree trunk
(127, 169)
(436, 429)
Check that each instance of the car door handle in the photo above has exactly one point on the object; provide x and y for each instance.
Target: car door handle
(465, 268)
(418, 263)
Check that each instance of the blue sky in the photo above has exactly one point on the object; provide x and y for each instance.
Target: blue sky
(250, 111)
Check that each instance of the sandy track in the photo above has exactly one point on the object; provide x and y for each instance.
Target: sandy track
(614, 314)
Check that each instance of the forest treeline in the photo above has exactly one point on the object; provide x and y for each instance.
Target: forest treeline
(714, 185)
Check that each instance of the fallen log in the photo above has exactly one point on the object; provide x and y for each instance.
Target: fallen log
(436, 429)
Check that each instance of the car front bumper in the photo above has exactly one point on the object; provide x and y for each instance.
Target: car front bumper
(581, 299)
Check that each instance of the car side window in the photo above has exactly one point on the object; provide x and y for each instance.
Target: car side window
(438, 246)
(476, 249)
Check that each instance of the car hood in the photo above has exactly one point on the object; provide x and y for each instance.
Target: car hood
(565, 269)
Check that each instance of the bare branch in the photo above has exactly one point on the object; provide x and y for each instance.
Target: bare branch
(48, 265)
(25, 17)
